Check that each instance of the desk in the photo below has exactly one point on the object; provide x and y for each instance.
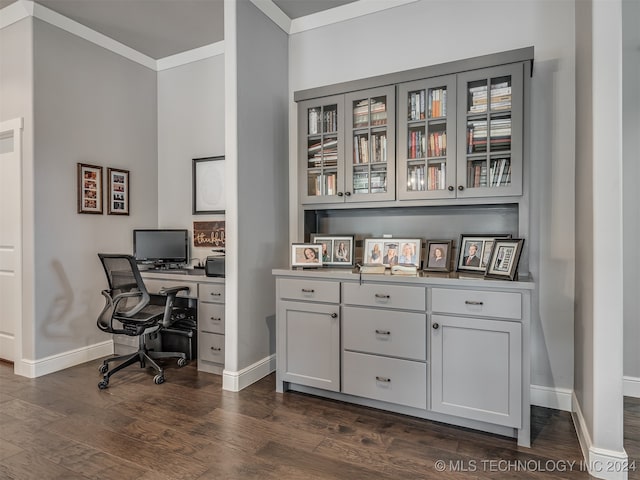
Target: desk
(205, 293)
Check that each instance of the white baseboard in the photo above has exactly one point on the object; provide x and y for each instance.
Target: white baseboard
(600, 463)
(631, 386)
(236, 381)
(54, 363)
(557, 398)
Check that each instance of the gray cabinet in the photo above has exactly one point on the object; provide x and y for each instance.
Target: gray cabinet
(211, 327)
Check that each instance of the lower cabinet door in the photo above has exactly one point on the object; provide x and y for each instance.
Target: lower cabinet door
(308, 350)
(476, 369)
(383, 378)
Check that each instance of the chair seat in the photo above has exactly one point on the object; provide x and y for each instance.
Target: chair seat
(149, 316)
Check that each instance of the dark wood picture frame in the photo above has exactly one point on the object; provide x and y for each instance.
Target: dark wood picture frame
(435, 263)
(118, 191)
(90, 195)
(505, 258)
(208, 185)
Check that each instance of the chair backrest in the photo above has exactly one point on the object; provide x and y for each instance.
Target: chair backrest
(123, 276)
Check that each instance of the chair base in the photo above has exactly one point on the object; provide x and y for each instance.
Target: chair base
(144, 357)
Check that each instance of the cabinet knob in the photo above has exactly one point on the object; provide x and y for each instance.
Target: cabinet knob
(460, 187)
(451, 189)
(435, 326)
(334, 315)
(340, 194)
(348, 194)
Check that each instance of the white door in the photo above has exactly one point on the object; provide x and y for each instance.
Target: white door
(10, 236)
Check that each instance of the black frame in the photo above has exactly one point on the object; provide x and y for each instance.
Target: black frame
(479, 238)
(197, 173)
(447, 256)
(505, 249)
(335, 241)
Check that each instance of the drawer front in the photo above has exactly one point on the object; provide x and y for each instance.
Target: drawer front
(398, 334)
(211, 292)
(387, 379)
(385, 296)
(211, 347)
(315, 290)
(211, 317)
(477, 302)
(153, 287)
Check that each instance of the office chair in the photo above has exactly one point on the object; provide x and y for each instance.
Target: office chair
(128, 311)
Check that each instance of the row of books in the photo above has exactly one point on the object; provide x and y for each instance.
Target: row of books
(376, 182)
(499, 174)
(436, 177)
(322, 121)
(316, 184)
(434, 106)
(369, 112)
(500, 97)
(378, 152)
(435, 144)
(500, 135)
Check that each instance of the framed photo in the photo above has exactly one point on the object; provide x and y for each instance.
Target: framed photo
(475, 251)
(118, 199)
(392, 251)
(208, 185)
(336, 251)
(89, 188)
(306, 255)
(505, 258)
(438, 256)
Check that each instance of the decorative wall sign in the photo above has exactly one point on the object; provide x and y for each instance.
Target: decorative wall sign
(89, 188)
(209, 234)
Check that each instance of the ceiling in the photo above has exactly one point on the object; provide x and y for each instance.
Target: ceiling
(161, 28)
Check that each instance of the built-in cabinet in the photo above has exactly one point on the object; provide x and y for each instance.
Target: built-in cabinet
(447, 349)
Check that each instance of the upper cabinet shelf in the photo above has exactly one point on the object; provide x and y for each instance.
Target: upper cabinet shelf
(459, 136)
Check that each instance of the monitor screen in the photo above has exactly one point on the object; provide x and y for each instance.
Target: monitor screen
(160, 247)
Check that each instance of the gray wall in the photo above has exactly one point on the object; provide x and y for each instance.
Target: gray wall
(262, 188)
(91, 106)
(631, 192)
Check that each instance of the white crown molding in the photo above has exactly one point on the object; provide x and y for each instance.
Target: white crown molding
(15, 12)
(190, 56)
(276, 15)
(342, 13)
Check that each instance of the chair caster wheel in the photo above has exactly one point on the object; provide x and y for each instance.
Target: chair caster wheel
(103, 384)
(103, 368)
(182, 362)
(158, 379)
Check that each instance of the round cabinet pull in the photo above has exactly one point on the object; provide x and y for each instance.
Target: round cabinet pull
(472, 302)
(460, 187)
(436, 326)
(383, 332)
(382, 296)
(383, 379)
(340, 194)
(308, 290)
(334, 315)
(348, 194)
(451, 189)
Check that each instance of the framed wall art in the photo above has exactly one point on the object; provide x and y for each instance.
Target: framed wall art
(306, 255)
(118, 191)
(438, 256)
(336, 250)
(392, 251)
(505, 257)
(89, 188)
(208, 178)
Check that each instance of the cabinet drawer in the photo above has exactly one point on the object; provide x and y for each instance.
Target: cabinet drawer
(211, 292)
(388, 379)
(477, 302)
(211, 317)
(315, 290)
(384, 296)
(154, 286)
(211, 347)
(398, 334)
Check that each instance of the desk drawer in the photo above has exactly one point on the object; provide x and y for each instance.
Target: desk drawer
(211, 347)
(397, 334)
(477, 303)
(211, 317)
(388, 379)
(385, 296)
(315, 290)
(153, 287)
(211, 292)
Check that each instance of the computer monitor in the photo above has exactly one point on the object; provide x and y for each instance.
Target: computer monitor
(162, 248)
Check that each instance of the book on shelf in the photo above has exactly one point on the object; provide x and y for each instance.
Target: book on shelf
(372, 268)
(404, 270)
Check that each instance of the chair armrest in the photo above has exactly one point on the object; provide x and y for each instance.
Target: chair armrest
(172, 290)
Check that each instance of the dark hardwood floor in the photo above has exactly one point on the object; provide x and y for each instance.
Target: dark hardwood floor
(61, 426)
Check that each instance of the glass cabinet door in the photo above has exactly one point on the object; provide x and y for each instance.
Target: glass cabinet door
(321, 150)
(370, 145)
(426, 159)
(490, 134)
